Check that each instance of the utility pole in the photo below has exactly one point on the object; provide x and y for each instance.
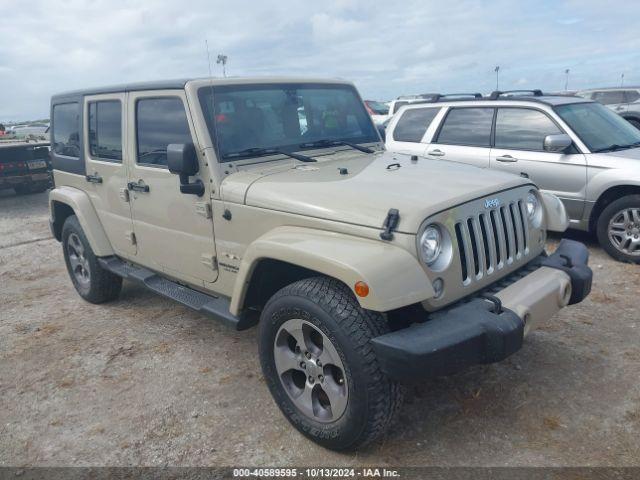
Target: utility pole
(497, 70)
(566, 80)
(222, 59)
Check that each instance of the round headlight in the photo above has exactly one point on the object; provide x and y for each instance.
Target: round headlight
(431, 244)
(533, 205)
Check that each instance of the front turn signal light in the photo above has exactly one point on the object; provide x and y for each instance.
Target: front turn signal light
(361, 288)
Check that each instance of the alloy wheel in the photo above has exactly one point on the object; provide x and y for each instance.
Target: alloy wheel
(311, 370)
(624, 231)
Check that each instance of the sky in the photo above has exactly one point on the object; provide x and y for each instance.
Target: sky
(388, 48)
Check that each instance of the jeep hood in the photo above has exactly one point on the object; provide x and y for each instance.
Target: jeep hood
(371, 186)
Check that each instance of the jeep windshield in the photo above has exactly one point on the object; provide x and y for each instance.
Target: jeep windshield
(257, 120)
(599, 128)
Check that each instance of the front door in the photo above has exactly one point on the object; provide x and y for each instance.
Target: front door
(107, 175)
(519, 149)
(174, 231)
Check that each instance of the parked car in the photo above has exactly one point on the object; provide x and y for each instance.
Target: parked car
(571, 147)
(363, 268)
(379, 111)
(24, 166)
(625, 101)
(403, 100)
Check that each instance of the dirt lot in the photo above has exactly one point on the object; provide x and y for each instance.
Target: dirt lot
(145, 381)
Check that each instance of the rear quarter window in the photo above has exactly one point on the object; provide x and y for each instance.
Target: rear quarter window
(413, 124)
(66, 129)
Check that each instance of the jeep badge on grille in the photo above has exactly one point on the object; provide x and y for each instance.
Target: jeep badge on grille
(492, 203)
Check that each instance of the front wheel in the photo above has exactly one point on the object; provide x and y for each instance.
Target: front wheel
(618, 229)
(319, 364)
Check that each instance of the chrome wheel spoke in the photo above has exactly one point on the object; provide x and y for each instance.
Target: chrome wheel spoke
(336, 393)
(286, 360)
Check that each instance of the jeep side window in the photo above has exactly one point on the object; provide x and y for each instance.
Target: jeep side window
(105, 130)
(467, 126)
(159, 122)
(66, 123)
(523, 129)
(413, 124)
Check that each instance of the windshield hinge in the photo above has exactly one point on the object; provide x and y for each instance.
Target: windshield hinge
(390, 224)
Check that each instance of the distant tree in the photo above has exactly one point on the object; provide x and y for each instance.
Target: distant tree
(2, 129)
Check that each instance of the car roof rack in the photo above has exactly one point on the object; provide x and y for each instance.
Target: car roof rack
(496, 94)
(436, 97)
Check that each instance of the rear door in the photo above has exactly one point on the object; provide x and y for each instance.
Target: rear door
(518, 149)
(464, 136)
(106, 168)
(174, 231)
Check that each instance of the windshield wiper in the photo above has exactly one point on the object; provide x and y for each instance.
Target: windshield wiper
(260, 152)
(615, 146)
(335, 143)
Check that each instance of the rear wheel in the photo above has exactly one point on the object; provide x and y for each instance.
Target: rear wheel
(92, 282)
(618, 229)
(320, 367)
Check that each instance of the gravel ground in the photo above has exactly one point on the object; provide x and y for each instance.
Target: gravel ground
(144, 381)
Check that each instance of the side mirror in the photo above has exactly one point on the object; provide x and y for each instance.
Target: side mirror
(557, 143)
(183, 161)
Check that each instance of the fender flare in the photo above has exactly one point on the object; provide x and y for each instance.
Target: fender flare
(556, 213)
(82, 208)
(395, 277)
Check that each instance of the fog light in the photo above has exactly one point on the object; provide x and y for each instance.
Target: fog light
(438, 287)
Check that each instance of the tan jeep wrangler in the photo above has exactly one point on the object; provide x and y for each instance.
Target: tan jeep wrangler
(274, 202)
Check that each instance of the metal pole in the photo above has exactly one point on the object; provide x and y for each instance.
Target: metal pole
(566, 80)
(497, 70)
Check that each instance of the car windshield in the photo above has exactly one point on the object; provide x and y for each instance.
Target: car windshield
(599, 128)
(378, 108)
(247, 121)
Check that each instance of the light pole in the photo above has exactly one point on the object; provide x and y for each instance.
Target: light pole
(497, 70)
(566, 80)
(222, 59)
(622, 80)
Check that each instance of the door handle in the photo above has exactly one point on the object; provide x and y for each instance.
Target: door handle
(436, 153)
(93, 178)
(138, 187)
(506, 159)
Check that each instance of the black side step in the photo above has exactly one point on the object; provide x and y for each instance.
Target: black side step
(215, 307)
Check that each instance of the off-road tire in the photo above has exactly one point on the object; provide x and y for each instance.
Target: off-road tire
(602, 227)
(373, 398)
(103, 285)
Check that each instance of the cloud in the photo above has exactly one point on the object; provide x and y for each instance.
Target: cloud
(386, 48)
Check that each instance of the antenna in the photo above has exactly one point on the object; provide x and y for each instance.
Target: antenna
(212, 112)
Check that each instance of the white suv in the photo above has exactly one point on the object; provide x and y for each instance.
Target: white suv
(625, 101)
(574, 148)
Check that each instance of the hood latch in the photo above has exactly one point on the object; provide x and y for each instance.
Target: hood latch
(390, 224)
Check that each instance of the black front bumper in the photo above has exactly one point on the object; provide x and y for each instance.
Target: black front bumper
(476, 332)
